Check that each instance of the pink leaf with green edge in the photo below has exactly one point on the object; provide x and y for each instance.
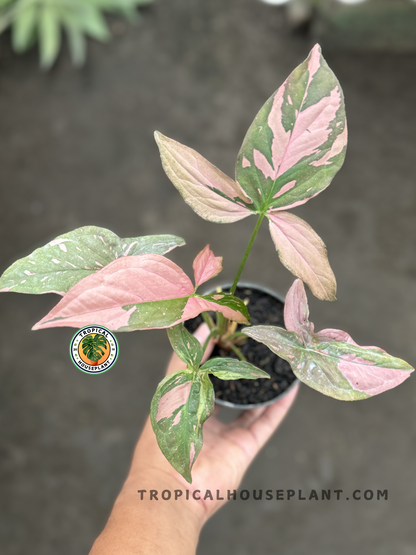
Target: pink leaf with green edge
(303, 253)
(137, 292)
(102, 297)
(212, 195)
(297, 142)
(329, 361)
(206, 266)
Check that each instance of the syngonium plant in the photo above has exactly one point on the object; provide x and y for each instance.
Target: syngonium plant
(291, 152)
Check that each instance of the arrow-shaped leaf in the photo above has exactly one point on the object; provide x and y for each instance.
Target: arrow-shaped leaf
(297, 142)
(136, 292)
(182, 403)
(303, 253)
(185, 345)
(329, 361)
(206, 266)
(71, 257)
(213, 195)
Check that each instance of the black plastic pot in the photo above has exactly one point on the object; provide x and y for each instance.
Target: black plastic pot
(267, 309)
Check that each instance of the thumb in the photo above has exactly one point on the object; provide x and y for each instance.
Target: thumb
(201, 334)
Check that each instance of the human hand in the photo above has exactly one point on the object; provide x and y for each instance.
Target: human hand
(141, 526)
(227, 451)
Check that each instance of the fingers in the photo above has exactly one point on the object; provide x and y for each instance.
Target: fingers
(201, 334)
(268, 422)
(262, 422)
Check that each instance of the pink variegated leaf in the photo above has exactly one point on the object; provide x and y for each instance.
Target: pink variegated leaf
(296, 311)
(137, 292)
(206, 266)
(297, 142)
(213, 196)
(329, 361)
(182, 403)
(303, 252)
(231, 307)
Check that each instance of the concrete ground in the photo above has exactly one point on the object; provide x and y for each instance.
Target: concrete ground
(77, 149)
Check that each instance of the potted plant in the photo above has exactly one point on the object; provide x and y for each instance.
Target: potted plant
(291, 153)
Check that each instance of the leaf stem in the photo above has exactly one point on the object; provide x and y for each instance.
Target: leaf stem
(237, 351)
(213, 332)
(208, 320)
(248, 249)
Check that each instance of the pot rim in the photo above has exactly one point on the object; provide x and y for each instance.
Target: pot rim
(280, 298)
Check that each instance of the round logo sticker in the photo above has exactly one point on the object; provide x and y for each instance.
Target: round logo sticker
(94, 349)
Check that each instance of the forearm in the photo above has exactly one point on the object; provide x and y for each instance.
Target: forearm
(148, 527)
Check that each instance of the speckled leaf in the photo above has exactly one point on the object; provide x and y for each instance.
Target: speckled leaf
(214, 196)
(297, 142)
(182, 403)
(185, 345)
(232, 369)
(135, 292)
(69, 258)
(329, 361)
(303, 253)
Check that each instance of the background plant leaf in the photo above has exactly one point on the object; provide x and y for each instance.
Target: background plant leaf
(43, 20)
(49, 35)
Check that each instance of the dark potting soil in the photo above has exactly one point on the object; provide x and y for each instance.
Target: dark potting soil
(264, 310)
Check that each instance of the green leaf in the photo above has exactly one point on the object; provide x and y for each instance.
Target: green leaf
(76, 40)
(63, 262)
(94, 24)
(228, 300)
(185, 345)
(49, 35)
(232, 369)
(24, 27)
(155, 314)
(182, 403)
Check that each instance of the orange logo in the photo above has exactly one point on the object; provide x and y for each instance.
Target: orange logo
(94, 349)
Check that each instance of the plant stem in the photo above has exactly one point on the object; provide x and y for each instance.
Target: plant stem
(208, 320)
(213, 332)
(248, 249)
(237, 351)
(236, 335)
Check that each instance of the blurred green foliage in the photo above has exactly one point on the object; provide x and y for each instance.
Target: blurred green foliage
(44, 21)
